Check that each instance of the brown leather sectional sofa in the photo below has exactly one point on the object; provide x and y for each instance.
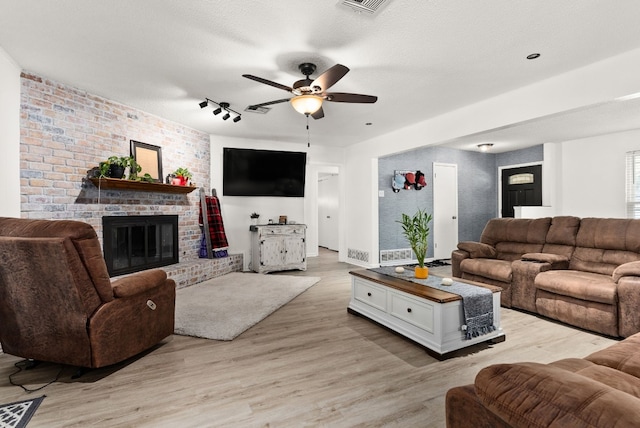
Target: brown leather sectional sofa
(584, 272)
(601, 390)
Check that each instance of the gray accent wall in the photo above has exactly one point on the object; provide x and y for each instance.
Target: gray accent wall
(477, 189)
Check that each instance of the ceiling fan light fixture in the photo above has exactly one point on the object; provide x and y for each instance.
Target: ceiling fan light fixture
(484, 147)
(306, 104)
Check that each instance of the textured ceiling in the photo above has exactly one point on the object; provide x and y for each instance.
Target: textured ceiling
(421, 58)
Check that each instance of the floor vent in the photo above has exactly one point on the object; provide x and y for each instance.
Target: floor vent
(371, 6)
(396, 257)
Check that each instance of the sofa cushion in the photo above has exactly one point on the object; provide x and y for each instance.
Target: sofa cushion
(539, 395)
(533, 231)
(580, 285)
(477, 249)
(500, 270)
(623, 356)
(599, 260)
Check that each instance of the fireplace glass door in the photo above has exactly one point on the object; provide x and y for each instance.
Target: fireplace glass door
(135, 243)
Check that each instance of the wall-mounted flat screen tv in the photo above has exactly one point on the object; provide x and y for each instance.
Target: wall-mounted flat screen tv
(249, 172)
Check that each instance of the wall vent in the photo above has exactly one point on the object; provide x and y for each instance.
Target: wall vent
(362, 256)
(371, 6)
(394, 257)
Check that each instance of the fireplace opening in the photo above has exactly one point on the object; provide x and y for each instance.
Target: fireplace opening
(135, 243)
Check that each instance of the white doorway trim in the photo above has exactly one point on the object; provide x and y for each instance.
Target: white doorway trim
(311, 208)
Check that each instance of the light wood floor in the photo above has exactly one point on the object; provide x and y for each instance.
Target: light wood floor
(308, 364)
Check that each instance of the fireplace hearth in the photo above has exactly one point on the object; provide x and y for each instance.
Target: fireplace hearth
(136, 243)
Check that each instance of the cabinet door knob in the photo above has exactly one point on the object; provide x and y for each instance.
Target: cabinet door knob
(369, 294)
(409, 310)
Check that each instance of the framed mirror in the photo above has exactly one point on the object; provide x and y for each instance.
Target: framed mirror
(149, 157)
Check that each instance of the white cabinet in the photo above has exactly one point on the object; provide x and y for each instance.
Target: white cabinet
(277, 247)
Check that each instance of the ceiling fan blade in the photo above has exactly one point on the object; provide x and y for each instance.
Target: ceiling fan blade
(330, 77)
(342, 97)
(319, 114)
(268, 82)
(268, 103)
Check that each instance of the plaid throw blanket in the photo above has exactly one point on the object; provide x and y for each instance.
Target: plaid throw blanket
(477, 302)
(219, 244)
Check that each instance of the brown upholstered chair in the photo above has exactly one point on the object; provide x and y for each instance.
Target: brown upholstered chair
(58, 304)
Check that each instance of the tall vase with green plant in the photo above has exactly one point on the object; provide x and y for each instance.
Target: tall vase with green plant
(416, 229)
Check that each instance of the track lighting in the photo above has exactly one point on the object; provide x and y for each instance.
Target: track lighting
(222, 106)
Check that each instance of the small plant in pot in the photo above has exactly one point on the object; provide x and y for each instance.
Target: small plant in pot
(117, 165)
(254, 217)
(416, 229)
(182, 176)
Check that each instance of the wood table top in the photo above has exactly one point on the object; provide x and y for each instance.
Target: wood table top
(424, 291)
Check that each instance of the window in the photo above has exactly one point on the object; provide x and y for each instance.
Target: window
(633, 184)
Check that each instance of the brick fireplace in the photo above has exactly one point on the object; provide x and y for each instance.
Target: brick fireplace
(66, 131)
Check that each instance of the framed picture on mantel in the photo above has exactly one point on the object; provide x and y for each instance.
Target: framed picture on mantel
(149, 157)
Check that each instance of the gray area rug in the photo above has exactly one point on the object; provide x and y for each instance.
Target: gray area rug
(222, 308)
(18, 414)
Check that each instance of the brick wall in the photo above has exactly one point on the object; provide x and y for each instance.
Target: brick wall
(66, 131)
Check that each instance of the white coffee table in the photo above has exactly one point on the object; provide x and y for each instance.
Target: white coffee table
(429, 316)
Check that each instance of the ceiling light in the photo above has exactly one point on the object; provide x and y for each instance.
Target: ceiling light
(485, 146)
(306, 104)
(221, 106)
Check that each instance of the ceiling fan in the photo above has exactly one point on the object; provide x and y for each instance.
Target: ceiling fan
(309, 94)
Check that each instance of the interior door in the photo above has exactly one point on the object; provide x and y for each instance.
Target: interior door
(521, 187)
(445, 210)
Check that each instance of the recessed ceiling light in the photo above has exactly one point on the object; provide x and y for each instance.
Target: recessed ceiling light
(533, 56)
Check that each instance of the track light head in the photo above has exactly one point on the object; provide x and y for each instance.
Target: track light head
(217, 111)
(237, 118)
(226, 116)
(204, 104)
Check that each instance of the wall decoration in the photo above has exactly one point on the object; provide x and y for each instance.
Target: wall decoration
(149, 157)
(407, 180)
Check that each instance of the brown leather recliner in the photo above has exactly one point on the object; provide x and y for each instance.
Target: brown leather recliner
(58, 304)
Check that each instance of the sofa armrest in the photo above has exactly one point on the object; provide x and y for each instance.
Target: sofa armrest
(478, 250)
(138, 282)
(532, 394)
(555, 260)
(626, 269)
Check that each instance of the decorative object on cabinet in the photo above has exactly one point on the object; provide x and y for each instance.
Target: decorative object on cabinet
(416, 229)
(282, 219)
(254, 218)
(278, 247)
(149, 157)
(407, 180)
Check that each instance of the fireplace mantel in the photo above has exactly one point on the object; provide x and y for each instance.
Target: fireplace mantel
(121, 184)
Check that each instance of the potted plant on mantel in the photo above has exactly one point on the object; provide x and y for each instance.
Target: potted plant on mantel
(416, 230)
(181, 176)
